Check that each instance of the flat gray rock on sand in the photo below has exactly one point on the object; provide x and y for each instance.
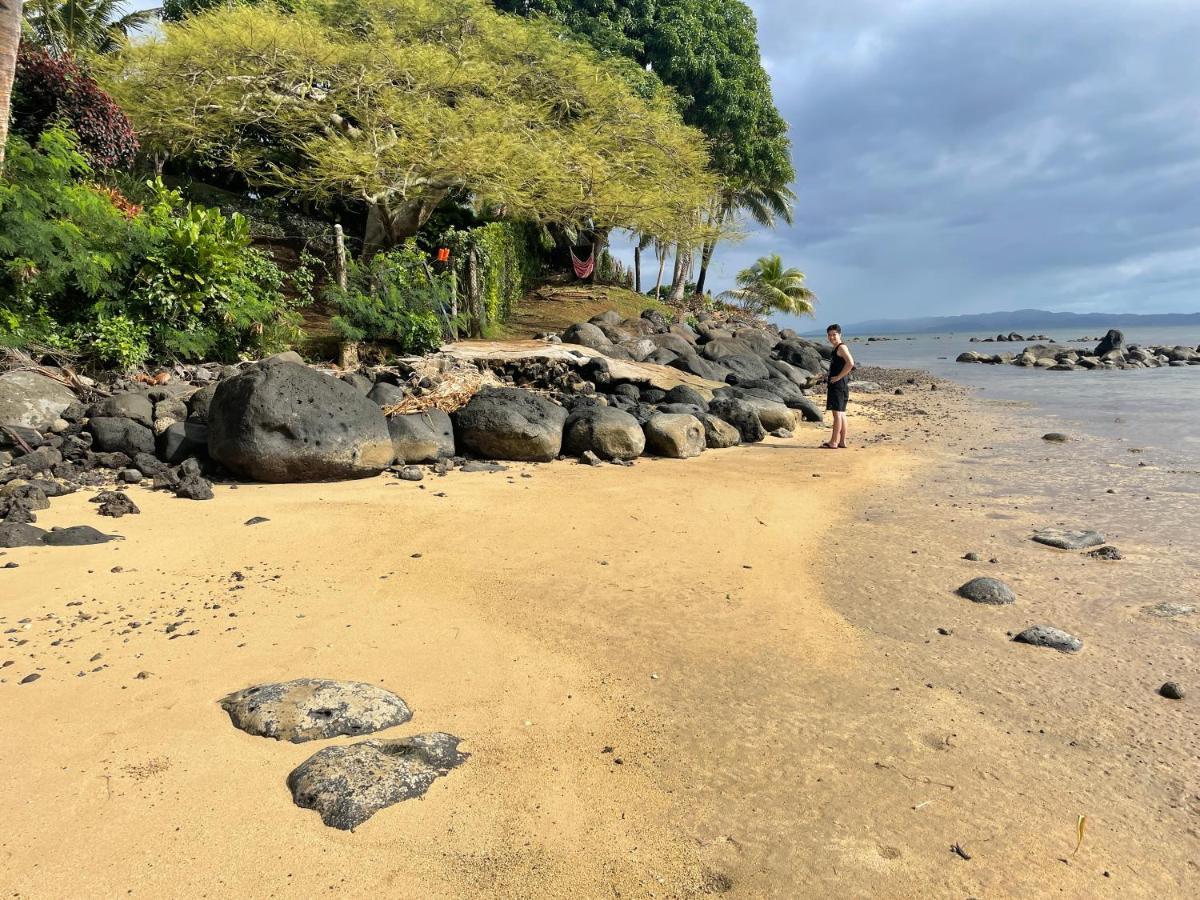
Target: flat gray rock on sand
(987, 590)
(78, 536)
(312, 708)
(348, 785)
(1046, 636)
(1066, 539)
(20, 534)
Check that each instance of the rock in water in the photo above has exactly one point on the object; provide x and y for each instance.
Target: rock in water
(607, 432)
(312, 708)
(675, 435)
(987, 590)
(348, 785)
(509, 423)
(286, 422)
(78, 536)
(1066, 539)
(1054, 638)
(31, 400)
(422, 437)
(1113, 340)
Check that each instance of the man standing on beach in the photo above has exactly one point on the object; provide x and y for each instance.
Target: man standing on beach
(841, 364)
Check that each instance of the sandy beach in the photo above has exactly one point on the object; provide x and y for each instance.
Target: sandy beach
(716, 676)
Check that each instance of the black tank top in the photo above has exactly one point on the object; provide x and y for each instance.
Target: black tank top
(837, 363)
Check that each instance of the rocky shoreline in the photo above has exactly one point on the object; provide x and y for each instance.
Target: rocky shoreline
(605, 391)
(1111, 353)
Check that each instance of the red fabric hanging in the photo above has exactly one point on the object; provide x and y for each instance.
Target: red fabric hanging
(583, 268)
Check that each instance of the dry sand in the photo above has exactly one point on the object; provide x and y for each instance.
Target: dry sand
(756, 647)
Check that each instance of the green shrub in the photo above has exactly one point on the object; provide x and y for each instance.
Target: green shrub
(393, 297)
(82, 267)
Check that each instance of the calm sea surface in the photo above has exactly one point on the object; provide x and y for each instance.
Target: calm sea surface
(1156, 409)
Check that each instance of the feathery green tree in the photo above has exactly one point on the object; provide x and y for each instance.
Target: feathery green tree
(398, 102)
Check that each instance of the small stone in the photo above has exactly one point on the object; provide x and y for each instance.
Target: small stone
(782, 433)
(588, 458)
(946, 632)
(987, 590)
(1066, 539)
(130, 476)
(142, 676)
(29, 679)
(1106, 553)
(256, 520)
(1056, 437)
(1172, 690)
(411, 473)
(972, 556)
(1053, 638)
(11, 565)
(194, 487)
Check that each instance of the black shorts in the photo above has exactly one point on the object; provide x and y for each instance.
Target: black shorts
(837, 396)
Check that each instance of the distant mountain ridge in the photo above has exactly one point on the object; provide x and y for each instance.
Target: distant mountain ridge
(1020, 320)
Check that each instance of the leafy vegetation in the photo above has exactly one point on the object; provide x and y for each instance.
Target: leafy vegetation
(71, 27)
(768, 287)
(81, 267)
(50, 91)
(395, 103)
(396, 297)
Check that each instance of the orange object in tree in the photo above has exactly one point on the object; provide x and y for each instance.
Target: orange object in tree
(443, 254)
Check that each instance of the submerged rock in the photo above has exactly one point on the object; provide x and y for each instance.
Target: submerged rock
(1066, 539)
(312, 708)
(1046, 636)
(348, 785)
(987, 590)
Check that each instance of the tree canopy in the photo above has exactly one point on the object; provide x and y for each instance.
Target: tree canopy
(707, 52)
(65, 27)
(398, 102)
(768, 287)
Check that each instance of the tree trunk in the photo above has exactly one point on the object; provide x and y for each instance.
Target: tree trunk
(683, 268)
(661, 253)
(339, 259)
(637, 268)
(10, 40)
(390, 224)
(705, 259)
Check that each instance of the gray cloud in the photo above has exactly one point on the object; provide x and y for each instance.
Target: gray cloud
(970, 155)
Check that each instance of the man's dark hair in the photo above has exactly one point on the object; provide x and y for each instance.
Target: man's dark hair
(834, 327)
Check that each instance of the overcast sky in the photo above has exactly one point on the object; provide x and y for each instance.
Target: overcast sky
(969, 155)
(977, 155)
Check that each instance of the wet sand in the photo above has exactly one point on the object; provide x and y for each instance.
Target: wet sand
(682, 679)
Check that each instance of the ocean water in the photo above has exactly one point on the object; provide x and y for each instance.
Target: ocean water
(1151, 409)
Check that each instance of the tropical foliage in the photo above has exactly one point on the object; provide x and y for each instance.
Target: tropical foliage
(768, 287)
(82, 267)
(72, 27)
(50, 91)
(395, 103)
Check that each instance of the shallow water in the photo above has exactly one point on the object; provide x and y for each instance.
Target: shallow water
(1153, 409)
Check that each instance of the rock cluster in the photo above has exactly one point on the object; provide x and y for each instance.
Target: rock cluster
(1110, 353)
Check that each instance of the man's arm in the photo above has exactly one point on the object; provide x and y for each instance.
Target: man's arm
(844, 351)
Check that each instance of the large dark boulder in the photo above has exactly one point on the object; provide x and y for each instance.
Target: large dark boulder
(383, 394)
(719, 348)
(760, 342)
(681, 393)
(673, 342)
(718, 434)
(509, 423)
(585, 334)
(675, 435)
(1113, 340)
(801, 354)
(130, 405)
(199, 403)
(607, 432)
(422, 437)
(183, 440)
(32, 400)
(696, 364)
(741, 415)
(286, 422)
(126, 436)
(746, 367)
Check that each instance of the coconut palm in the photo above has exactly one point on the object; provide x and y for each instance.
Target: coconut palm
(768, 287)
(765, 205)
(69, 26)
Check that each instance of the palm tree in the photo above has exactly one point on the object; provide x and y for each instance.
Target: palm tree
(768, 287)
(765, 205)
(10, 40)
(68, 26)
